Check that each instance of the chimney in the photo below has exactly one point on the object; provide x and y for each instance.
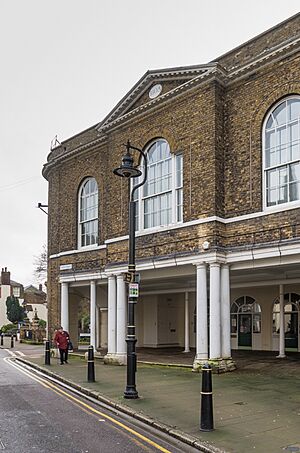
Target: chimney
(40, 287)
(5, 277)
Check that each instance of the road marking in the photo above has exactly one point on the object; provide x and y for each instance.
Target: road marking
(59, 391)
(20, 353)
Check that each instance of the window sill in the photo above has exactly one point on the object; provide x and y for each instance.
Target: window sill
(90, 247)
(282, 207)
(159, 229)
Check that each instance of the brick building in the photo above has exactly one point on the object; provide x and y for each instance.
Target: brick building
(218, 221)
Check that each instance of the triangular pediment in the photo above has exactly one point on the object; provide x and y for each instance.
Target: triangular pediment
(155, 86)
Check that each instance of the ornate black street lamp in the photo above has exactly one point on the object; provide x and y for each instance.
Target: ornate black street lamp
(128, 170)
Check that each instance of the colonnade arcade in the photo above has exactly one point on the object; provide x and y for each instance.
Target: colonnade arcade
(202, 288)
(212, 339)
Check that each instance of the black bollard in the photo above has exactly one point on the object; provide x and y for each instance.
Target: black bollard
(2, 339)
(91, 365)
(207, 419)
(47, 353)
(12, 341)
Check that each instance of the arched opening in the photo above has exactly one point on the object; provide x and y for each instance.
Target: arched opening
(291, 320)
(281, 145)
(160, 201)
(245, 321)
(88, 213)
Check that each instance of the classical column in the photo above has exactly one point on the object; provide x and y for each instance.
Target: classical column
(64, 307)
(281, 321)
(225, 312)
(111, 315)
(97, 327)
(186, 323)
(215, 312)
(201, 314)
(121, 318)
(93, 313)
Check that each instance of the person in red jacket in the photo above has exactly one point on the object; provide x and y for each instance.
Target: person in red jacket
(62, 339)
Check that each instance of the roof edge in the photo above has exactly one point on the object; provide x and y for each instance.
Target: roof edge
(260, 35)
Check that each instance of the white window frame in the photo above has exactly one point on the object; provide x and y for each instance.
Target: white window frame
(141, 200)
(281, 206)
(16, 290)
(79, 225)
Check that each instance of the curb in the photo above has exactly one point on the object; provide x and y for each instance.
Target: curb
(177, 434)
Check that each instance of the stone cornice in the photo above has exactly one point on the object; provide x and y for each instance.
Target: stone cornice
(79, 150)
(181, 73)
(215, 73)
(288, 48)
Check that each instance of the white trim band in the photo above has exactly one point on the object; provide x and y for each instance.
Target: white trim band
(241, 218)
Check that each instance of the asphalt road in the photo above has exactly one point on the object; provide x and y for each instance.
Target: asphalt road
(37, 415)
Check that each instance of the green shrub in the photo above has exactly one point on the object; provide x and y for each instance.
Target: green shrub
(15, 312)
(9, 328)
(42, 324)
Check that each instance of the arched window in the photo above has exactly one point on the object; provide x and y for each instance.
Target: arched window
(282, 153)
(88, 213)
(159, 201)
(245, 315)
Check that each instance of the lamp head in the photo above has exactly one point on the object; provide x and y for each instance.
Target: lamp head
(127, 170)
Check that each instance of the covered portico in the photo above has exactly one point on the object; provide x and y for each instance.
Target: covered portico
(209, 302)
(172, 309)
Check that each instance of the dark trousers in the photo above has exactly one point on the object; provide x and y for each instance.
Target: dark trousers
(63, 355)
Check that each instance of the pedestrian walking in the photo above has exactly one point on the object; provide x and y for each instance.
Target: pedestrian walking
(62, 340)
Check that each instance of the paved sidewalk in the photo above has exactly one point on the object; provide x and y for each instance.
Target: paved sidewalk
(256, 408)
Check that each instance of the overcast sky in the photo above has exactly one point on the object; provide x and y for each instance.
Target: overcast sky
(66, 63)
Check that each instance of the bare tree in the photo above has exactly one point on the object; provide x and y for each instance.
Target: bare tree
(40, 263)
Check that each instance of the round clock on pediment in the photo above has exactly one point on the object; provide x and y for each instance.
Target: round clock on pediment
(155, 91)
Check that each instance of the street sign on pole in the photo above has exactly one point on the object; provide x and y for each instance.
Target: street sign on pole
(133, 290)
(127, 276)
(132, 277)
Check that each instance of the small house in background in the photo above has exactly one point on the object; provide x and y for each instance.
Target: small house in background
(8, 288)
(35, 302)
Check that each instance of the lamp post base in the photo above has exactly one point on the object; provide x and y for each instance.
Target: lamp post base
(131, 393)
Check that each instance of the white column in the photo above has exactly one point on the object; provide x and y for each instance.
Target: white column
(93, 313)
(121, 316)
(281, 320)
(111, 315)
(201, 314)
(215, 312)
(225, 312)
(64, 306)
(186, 323)
(97, 327)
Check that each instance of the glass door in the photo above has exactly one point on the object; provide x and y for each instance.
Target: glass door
(291, 330)
(245, 330)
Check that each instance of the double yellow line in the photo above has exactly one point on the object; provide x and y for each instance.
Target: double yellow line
(86, 406)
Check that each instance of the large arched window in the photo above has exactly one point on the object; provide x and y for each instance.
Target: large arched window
(282, 153)
(159, 201)
(88, 213)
